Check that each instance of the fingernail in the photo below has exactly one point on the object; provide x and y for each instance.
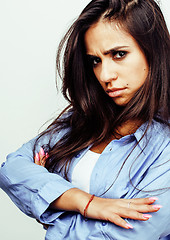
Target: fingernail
(129, 226)
(153, 198)
(42, 151)
(37, 157)
(147, 216)
(157, 206)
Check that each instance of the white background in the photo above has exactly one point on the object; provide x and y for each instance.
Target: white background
(29, 34)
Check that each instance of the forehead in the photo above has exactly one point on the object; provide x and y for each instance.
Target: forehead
(104, 35)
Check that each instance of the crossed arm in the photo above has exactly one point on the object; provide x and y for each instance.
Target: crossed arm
(37, 192)
(112, 210)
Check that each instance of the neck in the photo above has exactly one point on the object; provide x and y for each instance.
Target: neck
(126, 128)
(129, 127)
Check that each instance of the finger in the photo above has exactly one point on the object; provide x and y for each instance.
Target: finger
(140, 204)
(144, 208)
(37, 159)
(132, 214)
(41, 153)
(143, 200)
(120, 222)
(42, 157)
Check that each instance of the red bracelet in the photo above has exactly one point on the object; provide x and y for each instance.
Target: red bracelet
(91, 199)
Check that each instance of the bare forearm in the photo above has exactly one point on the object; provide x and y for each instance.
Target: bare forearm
(112, 210)
(72, 200)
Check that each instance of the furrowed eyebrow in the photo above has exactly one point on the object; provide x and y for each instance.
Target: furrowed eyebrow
(115, 49)
(91, 56)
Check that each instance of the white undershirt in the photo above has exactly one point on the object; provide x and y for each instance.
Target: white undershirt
(83, 170)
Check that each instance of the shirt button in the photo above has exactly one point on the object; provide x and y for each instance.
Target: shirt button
(110, 149)
(2, 164)
(104, 223)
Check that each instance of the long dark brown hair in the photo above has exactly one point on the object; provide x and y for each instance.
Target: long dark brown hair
(92, 116)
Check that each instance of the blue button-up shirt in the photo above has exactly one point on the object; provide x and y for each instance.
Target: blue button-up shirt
(32, 188)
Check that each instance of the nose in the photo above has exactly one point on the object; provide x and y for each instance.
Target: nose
(108, 72)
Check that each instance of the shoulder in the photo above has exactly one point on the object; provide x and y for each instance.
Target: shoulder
(156, 148)
(155, 144)
(59, 128)
(159, 149)
(160, 139)
(156, 135)
(156, 129)
(160, 129)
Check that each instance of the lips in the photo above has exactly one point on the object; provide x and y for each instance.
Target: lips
(115, 92)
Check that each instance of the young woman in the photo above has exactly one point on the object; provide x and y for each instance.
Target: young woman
(101, 170)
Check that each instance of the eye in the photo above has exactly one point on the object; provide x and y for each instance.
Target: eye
(93, 61)
(96, 61)
(119, 54)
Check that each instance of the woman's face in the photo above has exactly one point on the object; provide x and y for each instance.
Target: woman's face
(117, 60)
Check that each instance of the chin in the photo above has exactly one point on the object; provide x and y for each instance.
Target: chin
(121, 102)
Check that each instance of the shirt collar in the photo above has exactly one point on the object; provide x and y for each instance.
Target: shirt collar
(152, 133)
(142, 140)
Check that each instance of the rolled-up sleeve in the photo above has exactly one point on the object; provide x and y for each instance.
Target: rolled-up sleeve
(31, 187)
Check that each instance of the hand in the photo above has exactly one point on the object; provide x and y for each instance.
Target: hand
(40, 158)
(112, 210)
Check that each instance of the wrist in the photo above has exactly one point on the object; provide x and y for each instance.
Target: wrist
(81, 199)
(72, 200)
(85, 209)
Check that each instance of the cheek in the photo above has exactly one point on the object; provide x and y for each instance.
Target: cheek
(96, 73)
(98, 76)
(140, 72)
(144, 74)
(144, 67)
